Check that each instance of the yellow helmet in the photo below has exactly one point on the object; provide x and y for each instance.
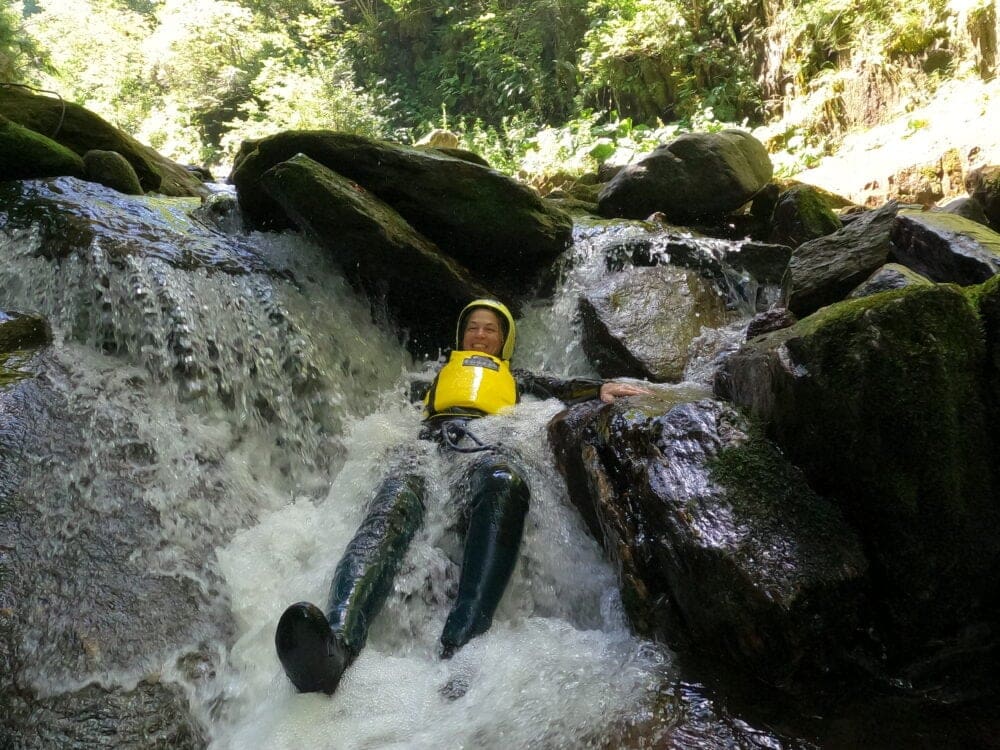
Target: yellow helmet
(506, 321)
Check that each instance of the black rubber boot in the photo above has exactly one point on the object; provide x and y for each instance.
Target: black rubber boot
(499, 504)
(312, 654)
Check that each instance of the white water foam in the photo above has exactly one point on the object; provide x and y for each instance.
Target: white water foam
(557, 669)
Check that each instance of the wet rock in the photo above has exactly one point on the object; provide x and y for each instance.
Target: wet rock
(696, 177)
(826, 269)
(70, 215)
(219, 211)
(111, 169)
(801, 214)
(770, 320)
(153, 715)
(25, 155)
(376, 248)
(889, 276)
(80, 130)
(879, 401)
(497, 228)
(641, 321)
(983, 186)
(946, 247)
(720, 544)
(765, 261)
(91, 618)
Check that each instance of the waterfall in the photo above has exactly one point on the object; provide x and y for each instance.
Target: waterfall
(212, 432)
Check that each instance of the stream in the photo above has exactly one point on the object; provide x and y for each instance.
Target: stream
(212, 417)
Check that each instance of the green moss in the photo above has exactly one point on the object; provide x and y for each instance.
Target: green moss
(885, 412)
(25, 154)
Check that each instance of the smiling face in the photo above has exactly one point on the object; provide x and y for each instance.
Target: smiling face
(483, 332)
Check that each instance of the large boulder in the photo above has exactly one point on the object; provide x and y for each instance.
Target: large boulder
(880, 401)
(946, 247)
(25, 154)
(697, 177)
(377, 250)
(826, 269)
(80, 130)
(640, 322)
(494, 226)
(720, 544)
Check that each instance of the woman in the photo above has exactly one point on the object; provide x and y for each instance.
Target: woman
(315, 649)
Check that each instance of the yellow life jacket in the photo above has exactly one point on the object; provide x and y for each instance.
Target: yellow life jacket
(471, 383)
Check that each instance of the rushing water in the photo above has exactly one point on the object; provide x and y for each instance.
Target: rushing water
(222, 434)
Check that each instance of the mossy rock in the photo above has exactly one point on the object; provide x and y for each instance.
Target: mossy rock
(801, 214)
(80, 130)
(26, 155)
(880, 401)
(111, 169)
(499, 229)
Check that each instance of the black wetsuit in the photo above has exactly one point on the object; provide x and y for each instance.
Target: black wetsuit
(498, 503)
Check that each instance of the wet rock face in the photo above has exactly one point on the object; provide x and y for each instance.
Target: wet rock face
(79, 598)
(71, 214)
(696, 177)
(721, 545)
(641, 321)
(880, 402)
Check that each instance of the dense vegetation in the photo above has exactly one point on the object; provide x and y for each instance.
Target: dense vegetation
(528, 83)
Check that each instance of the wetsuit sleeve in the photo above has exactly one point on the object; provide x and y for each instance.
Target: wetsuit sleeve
(571, 391)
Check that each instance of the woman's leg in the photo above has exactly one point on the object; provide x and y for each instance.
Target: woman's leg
(499, 503)
(314, 648)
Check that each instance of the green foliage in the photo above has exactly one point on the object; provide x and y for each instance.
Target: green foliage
(671, 60)
(531, 85)
(194, 77)
(18, 51)
(96, 57)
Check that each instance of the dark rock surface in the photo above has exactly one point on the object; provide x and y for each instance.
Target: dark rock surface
(496, 227)
(880, 402)
(721, 545)
(826, 269)
(376, 248)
